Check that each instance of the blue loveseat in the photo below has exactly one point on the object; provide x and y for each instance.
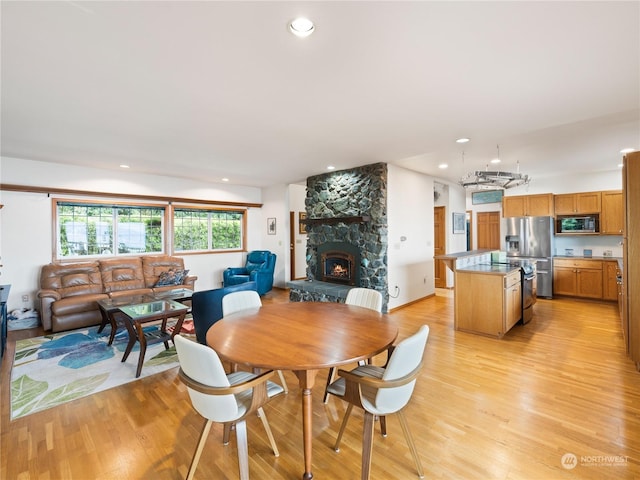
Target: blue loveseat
(206, 307)
(259, 268)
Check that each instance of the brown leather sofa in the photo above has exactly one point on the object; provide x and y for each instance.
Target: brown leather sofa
(69, 291)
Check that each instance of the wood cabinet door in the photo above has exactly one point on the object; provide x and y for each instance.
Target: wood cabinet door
(610, 281)
(513, 206)
(612, 216)
(564, 204)
(539, 205)
(564, 281)
(513, 308)
(589, 283)
(588, 202)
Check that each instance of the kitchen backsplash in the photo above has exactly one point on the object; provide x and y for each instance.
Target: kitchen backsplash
(600, 245)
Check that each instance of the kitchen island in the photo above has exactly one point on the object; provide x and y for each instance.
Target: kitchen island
(487, 299)
(487, 296)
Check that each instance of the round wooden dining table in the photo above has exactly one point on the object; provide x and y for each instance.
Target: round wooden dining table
(303, 337)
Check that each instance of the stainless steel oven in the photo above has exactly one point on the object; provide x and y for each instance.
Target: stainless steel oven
(529, 291)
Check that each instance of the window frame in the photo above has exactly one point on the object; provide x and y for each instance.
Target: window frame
(211, 208)
(56, 243)
(168, 228)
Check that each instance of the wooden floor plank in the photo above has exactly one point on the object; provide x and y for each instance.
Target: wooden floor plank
(482, 408)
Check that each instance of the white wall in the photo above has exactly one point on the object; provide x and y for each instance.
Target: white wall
(275, 200)
(297, 195)
(26, 219)
(409, 216)
(452, 197)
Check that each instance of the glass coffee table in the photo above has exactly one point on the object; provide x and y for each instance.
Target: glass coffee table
(136, 315)
(112, 315)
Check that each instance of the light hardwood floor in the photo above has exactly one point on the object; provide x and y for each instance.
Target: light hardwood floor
(482, 409)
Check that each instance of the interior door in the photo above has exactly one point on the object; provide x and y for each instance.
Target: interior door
(488, 227)
(439, 246)
(292, 245)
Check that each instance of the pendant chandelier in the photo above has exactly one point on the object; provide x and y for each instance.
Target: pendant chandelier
(485, 180)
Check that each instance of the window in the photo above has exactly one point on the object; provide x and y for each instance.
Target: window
(90, 229)
(202, 229)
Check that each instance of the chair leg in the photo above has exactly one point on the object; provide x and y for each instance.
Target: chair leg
(226, 433)
(243, 449)
(283, 382)
(196, 456)
(412, 445)
(383, 426)
(367, 444)
(332, 373)
(267, 429)
(336, 447)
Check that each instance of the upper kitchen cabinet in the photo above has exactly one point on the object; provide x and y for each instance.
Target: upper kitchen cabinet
(570, 203)
(540, 205)
(612, 215)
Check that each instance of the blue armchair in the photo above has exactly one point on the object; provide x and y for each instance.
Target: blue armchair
(206, 307)
(259, 268)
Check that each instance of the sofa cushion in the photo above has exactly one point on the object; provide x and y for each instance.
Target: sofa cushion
(121, 274)
(71, 279)
(154, 265)
(171, 277)
(69, 305)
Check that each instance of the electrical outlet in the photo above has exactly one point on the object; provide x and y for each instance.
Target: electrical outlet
(25, 298)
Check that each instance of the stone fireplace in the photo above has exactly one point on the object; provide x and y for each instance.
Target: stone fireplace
(347, 234)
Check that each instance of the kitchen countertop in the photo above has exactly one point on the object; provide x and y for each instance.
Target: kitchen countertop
(581, 257)
(491, 269)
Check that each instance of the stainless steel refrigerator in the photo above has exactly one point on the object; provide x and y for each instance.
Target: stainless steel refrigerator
(531, 238)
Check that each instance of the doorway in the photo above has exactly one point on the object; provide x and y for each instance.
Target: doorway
(439, 246)
(488, 227)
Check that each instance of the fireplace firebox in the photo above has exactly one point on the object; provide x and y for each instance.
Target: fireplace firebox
(337, 267)
(338, 262)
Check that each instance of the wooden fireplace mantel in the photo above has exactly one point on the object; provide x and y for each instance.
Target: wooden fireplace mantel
(334, 220)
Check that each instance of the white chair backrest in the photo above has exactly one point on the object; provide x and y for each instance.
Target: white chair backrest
(202, 364)
(365, 297)
(405, 358)
(236, 301)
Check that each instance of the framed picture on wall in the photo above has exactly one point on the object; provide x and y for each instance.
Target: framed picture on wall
(303, 226)
(271, 226)
(458, 222)
(486, 196)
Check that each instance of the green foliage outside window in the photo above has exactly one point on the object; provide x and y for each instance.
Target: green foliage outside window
(207, 230)
(88, 230)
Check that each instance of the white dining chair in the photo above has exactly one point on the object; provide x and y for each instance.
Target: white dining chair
(382, 391)
(360, 297)
(236, 301)
(223, 398)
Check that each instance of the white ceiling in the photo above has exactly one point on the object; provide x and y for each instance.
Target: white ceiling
(207, 90)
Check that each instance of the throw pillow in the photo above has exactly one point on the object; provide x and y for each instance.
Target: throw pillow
(171, 277)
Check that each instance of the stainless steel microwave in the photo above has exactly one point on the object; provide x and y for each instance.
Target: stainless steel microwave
(581, 224)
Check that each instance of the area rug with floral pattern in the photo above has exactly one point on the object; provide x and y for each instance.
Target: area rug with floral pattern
(54, 369)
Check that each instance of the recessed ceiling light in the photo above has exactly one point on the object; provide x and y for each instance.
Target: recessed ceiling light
(627, 150)
(301, 27)
(124, 166)
(331, 167)
(443, 166)
(462, 140)
(495, 160)
(225, 179)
